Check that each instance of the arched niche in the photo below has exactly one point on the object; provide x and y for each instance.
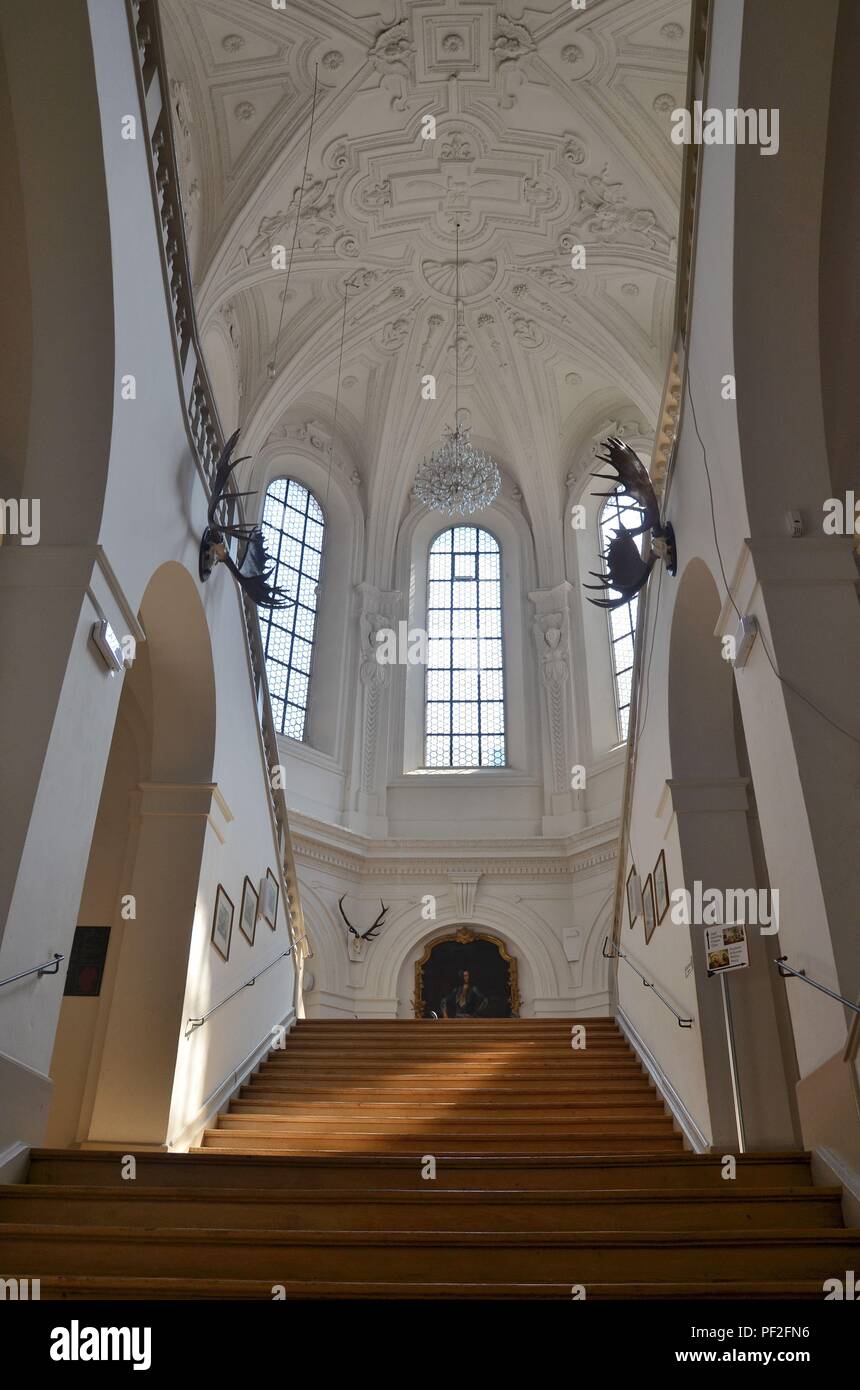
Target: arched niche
(115, 1055)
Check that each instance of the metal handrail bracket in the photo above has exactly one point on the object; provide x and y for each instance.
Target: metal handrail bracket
(787, 970)
(50, 967)
(615, 954)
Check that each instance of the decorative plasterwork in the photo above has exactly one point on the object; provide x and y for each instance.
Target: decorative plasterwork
(551, 628)
(464, 888)
(538, 147)
(590, 851)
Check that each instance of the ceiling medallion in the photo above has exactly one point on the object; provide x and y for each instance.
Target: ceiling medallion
(457, 478)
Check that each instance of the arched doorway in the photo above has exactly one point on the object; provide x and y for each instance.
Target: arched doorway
(115, 1051)
(492, 970)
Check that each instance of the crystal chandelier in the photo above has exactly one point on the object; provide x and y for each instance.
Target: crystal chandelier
(457, 477)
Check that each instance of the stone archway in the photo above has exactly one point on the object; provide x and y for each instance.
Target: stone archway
(115, 1055)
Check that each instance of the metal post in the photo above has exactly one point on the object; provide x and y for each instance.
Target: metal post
(733, 1063)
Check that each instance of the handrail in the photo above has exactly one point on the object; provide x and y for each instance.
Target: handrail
(616, 954)
(49, 968)
(202, 422)
(192, 1024)
(786, 970)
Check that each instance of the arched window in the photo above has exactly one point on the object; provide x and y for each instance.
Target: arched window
(293, 526)
(618, 511)
(464, 708)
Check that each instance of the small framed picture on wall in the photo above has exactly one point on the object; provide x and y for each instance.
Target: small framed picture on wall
(269, 891)
(648, 915)
(634, 896)
(222, 923)
(661, 888)
(248, 911)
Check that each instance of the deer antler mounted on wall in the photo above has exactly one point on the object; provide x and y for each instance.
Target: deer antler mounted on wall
(254, 568)
(357, 945)
(627, 568)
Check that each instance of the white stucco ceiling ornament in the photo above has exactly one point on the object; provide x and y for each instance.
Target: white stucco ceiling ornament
(545, 138)
(475, 277)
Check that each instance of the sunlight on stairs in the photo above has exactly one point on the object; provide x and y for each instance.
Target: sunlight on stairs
(553, 1168)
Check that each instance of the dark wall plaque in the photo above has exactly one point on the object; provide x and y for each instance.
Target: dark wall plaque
(87, 961)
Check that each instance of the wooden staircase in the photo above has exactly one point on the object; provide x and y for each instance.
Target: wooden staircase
(554, 1168)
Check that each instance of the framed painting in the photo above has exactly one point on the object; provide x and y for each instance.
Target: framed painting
(248, 911)
(661, 888)
(648, 914)
(634, 906)
(269, 891)
(222, 923)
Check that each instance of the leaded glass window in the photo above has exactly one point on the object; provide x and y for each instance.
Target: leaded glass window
(464, 719)
(619, 511)
(293, 527)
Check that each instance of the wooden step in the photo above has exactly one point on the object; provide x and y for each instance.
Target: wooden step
(528, 1093)
(280, 1103)
(254, 1141)
(432, 1027)
(88, 1288)
(491, 1172)
(525, 1256)
(432, 1072)
(645, 1119)
(427, 1209)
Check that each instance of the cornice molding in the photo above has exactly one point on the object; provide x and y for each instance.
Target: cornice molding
(317, 843)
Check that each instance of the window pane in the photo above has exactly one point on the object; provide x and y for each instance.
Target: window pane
(616, 513)
(293, 528)
(464, 709)
(438, 685)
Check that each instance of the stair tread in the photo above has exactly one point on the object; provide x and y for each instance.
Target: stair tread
(425, 1193)
(142, 1287)
(122, 1235)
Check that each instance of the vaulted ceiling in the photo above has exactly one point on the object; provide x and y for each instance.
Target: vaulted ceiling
(551, 131)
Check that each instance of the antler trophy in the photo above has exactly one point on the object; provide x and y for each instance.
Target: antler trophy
(628, 568)
(253, 570)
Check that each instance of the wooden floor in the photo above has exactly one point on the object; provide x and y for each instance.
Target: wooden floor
(554, 1167)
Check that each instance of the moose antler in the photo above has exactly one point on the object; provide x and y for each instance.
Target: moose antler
(371, 931)
(254, 568)
(627, 569)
